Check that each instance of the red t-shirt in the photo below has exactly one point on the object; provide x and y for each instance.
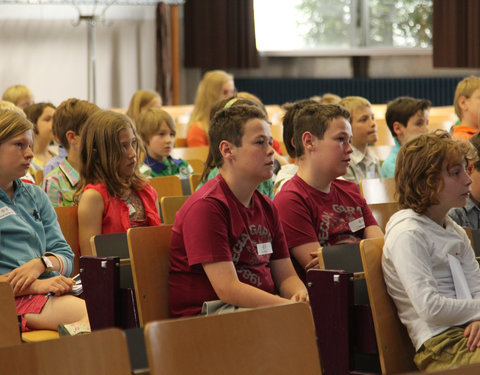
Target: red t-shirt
(309, 215)
(213, 226)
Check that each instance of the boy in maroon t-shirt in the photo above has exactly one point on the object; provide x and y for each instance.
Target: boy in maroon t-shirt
(227, 241)
(316, 208)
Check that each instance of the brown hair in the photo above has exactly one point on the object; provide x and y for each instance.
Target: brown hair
(150, 121)
(420, 162)
(101, 153)
(34, 111)
(290, 110)
(71, 114)
(402, 109)
(315, 118)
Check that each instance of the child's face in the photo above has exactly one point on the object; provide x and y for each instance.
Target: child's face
(228, 90)
(475, 186)
(44, 124)
(456, 186)
(24, 102)
(416, 125)
(254, 158)
(471, 108)
(161, 143)
(15, 157)
(129, 147)
(331, 154)
(364, 127)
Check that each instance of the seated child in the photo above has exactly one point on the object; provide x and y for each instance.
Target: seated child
(70, 116)
(428, 263)
(227, 241)
(41, 115)
(362, 164)
(406, 118)
(467, 107)
(114, 194)
(469, 215)
(20, 95)
(287, 171)
(157, 130)
(34, 256)
(316, 208)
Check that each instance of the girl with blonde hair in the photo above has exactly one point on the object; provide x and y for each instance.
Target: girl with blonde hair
(215, 85)
(141, 101)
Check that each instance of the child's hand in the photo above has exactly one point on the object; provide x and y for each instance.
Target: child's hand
(300, 296)
(58, 285)
(473, 333)
(22, 277)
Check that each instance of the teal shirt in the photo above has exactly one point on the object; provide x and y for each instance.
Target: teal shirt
(29, 228)
(388, 166)
(266, 187)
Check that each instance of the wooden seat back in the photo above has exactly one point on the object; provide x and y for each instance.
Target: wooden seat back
(166, 186)
(271, 340)
(187, 153)
(195, 181)
(197, 165)
(170, 207)
(383, 212)
(68, 219)
(149, 256)
(102, 352)
(394, 345)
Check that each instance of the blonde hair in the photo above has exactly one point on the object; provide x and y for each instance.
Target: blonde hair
(15, 93)
(465, 88)
(139, 100)
(329, 98)
(150, 121)
(101, 153)
(419, 166)
(12, 123)
(209, 91)
(5, 105)
(352, 103)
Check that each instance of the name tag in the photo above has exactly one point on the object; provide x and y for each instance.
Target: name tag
(131, 209)
(6, 211)
(357, 224)
(264, 248)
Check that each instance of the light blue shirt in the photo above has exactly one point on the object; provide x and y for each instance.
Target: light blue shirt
(29, 228)
(388, 166)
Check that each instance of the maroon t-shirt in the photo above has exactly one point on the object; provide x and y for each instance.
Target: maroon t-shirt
(309, 215)
(213, 226)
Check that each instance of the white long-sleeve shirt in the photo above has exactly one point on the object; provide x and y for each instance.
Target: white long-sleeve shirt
(418, 275)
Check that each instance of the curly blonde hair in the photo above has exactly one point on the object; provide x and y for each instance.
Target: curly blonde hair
(419, 166)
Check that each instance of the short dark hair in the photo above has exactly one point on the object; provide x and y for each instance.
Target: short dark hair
(228, 124)
(315, 118)
(290, 110)
(34, 111)
(402, 109)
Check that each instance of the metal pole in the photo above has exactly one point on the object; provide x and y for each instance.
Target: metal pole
(91, 50)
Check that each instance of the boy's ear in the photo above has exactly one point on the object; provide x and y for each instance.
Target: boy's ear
(470, 167)
(307, 140)
(70, 135)
(398, 128)
(226, 150)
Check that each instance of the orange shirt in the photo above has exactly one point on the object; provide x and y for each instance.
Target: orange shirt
(196, 136)
(463, 132)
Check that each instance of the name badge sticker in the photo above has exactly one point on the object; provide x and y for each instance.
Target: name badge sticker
(264, 248)
(6, 211)
(357, 224)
